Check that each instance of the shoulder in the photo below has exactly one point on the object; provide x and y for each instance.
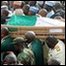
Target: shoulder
(57, 48)
(61, 44)
(37, 40)
(21, 56)
(28, 51)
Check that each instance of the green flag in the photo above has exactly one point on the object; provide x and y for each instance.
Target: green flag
(22, 20)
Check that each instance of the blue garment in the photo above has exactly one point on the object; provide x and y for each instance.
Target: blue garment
(34, 9)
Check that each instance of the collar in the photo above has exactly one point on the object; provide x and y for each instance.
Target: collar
(57, 44)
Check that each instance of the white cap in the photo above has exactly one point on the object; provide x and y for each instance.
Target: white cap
(19, 12)
(4, 7)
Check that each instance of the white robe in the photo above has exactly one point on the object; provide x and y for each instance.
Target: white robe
(58, 53)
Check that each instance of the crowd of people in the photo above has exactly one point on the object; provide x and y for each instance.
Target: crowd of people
(30, 50)
(50, 9)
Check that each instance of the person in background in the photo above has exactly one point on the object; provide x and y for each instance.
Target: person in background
(6, 12)
(17, 4)
(25, 55)
(4, 16)
(10, 59)
(33, 11)
(36, 46)
(59, 18)
(18, 12)
(6, 40)
(50, 7)
(58, 6)
(56, 49)
(22, 4)
(4, 3)
(26, 9)
(32, 3)
(40, 4)
(42, 12)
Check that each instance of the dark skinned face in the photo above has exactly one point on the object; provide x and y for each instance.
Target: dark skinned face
(29, 38)
(51, 41)
(50, 45)
(18, 48)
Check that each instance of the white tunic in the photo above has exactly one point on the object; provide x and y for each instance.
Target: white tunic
(58, 53)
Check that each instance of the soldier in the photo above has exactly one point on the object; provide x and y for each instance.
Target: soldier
(25, 56)
(56, 49)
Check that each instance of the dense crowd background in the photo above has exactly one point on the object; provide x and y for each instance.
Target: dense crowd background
(29, 50)
(50, 9)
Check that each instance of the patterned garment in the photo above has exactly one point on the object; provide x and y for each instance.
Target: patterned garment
(26, 56)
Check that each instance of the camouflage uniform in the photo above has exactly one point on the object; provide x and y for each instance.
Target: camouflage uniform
(26, 56)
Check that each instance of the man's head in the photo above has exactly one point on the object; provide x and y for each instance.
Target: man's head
(43, 12)
(4, 32)
(4, 7)
(10, 59)
(58, 17)
(22, 4)
(26, 9)
(18, 12)
(30, 36)
(51, 41)
(57, 6)
(33, 10)
(4, 3)
(32, 3)
(19, 43)
(48, 8)
(4, 12)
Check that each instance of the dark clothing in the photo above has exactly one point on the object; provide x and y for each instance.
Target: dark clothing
(38, 51)
(6, 44)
